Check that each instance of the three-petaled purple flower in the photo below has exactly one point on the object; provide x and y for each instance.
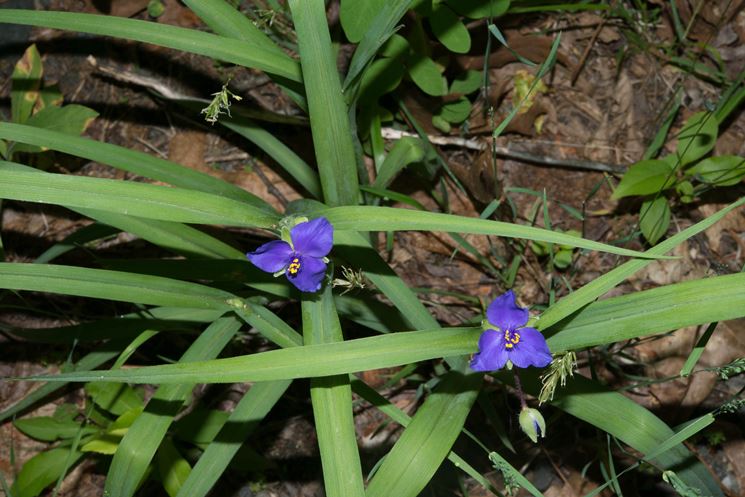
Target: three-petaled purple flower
(303, 258)
(511, 340)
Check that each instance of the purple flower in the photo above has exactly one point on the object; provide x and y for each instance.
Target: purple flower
(303, 258)
(510, 341)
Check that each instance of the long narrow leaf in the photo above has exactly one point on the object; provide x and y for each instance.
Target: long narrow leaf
(607, 321)
(251, 409)
(224, 19)
(111, 285)
(92, 360)
(652, 311)
(386, 407)
(427, 439)
(381, 28)
(138, 446)
(637, 427)
(128, 160)
(176, 237)
(329, 121)
(284, 155)
(365, 218)
(601, 285)
(131, 198)
(331, 397)
(308, 361)
(188, 40)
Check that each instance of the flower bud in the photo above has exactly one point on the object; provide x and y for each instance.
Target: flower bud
(532, 423)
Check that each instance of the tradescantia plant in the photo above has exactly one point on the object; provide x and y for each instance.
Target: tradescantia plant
(330, 226)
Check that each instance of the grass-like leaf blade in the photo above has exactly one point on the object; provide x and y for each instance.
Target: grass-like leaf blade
(365, 218)
(332, 135)
(331, 397)
(427, 439)
(125, 159)
(138, 446)
(251, 409)
(187, 40)
(131, 198)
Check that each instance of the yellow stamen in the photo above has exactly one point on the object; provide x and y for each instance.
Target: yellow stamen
(511, 339)
(294, 266)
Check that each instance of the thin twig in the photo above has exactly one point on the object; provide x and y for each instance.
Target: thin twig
(471, 144)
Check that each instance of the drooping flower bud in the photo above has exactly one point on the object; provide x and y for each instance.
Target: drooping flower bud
(532, 423)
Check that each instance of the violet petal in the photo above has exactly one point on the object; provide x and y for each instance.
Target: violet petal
(492, 355)
(272, 256)
(310, 275)
(504, 312)
(313, 238)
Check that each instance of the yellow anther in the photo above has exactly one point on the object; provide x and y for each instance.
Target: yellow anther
(294, 266)
(510, 339)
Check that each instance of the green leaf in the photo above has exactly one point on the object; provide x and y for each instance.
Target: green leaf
(404, 152)
(357, 16)
(176, 237)
(172, 468)
(117, 399)
(105, 444)
(659, 138)
(427, 439)
(386, 407)
(426, 75)
(356, 249)
(25, 84)
(128, 160)
(327, 359)
(654, 219)
(722, 170)
(70, 119)
(200, 426)
(637, 427)
(42, 470)
(649, 312)
(244, 419)
(396, 47)
(132, 198)
(331, 397)
(50, 96)
(644, 178)
(599, 286)
(467, 82)
(563, 258)
(611, 320)
(449, 29)
(456, 112)
(329, 119)
(383, 76)
(479, 9)
(111, 285)
(698, 137)
(179, 238)
(104, 353)
(146, 433)
(224, 19)
(187, 40)
(366, 218)
(50, 429)
(377, 34)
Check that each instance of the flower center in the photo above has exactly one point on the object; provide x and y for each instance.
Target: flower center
(511, 339)
(294, 266)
